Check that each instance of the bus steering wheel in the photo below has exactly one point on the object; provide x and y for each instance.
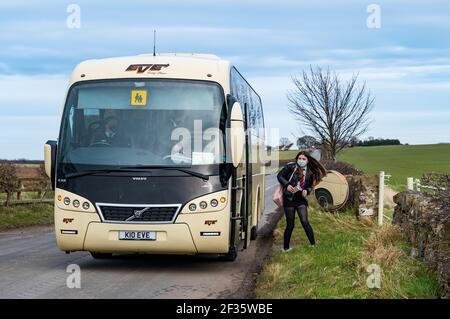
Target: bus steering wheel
(100, 144)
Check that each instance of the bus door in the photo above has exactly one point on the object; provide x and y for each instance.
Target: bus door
(241, 187)
(242, 190)
(247, 184)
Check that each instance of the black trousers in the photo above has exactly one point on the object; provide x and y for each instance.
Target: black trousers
(290, 222)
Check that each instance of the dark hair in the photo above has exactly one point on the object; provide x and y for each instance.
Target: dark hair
(317, 169)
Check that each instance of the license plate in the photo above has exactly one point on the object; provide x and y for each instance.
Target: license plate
(137, 235)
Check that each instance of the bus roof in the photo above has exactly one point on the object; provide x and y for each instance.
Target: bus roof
(163, 65)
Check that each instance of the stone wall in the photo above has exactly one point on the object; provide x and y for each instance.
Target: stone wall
(426, 223)
(363, 195)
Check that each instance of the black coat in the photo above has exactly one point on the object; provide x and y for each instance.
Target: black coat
(297, 199)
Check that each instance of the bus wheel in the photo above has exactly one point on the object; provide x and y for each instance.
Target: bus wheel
(100, 255)
(231, 255)
(253, 233)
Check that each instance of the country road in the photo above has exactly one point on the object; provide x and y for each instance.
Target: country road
(31, 266)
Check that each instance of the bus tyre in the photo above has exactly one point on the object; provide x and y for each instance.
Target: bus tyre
(253, 233)
(324, 198)
(231, 255)
(100, 255)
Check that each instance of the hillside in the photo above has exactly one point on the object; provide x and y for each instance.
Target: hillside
(401, 161)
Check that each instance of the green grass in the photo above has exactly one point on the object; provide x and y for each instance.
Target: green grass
(283, 155)
(25, 215)
(336, 268)
(400, 161)
(27, 195)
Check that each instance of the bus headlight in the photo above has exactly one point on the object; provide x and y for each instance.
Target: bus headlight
(214, 202)
(73, 202)
(208, 203)
(86, 205)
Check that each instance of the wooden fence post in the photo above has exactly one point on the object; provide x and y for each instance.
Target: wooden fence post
(410, 183)
(381, 198)
(417, 182)
(8, 198)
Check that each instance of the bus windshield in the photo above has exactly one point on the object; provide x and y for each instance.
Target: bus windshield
(152, 122)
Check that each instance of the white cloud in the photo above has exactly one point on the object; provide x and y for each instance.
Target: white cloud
(267, 51)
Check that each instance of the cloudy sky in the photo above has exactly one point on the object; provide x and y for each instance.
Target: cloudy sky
(405, 62)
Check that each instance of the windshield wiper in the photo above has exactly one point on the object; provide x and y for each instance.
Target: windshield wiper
(99, 171)
(187, 171)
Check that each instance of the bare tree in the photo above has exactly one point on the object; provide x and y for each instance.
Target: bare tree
(284, 142)
(334, 111)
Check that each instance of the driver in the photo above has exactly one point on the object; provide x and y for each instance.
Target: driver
(112, 134)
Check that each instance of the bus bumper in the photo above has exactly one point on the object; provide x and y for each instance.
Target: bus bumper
(186, 236)
(170, 239)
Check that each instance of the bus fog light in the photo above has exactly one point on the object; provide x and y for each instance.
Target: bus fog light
(210, 233)
(203, 205)
(214, 202)
(192, 207)
(86, 205)
(76, 203)
(66, 200)
(222, 199)
(69, 231)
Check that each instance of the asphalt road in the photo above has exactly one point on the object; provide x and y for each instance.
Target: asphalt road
(31, 266)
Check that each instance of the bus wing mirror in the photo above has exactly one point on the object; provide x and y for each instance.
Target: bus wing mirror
(50, 160)
(237, 134)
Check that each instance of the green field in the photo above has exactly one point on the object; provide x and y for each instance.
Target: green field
(400, 161)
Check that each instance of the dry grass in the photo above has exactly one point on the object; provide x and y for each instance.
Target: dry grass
(382, 247)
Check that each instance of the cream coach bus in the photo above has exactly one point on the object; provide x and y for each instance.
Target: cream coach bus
(137, 167)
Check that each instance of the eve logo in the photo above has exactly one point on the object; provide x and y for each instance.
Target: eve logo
(141, 68)
(74, 19)
(74, 279)
(374, 279)
(374, 19)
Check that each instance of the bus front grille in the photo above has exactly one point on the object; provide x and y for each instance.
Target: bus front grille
(138, 214)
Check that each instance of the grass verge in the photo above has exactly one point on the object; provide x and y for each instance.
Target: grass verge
(25, 215)
(337, 267)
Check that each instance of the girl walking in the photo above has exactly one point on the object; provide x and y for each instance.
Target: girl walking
(298, 179)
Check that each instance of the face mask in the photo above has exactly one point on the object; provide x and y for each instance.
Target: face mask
(301, 163)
